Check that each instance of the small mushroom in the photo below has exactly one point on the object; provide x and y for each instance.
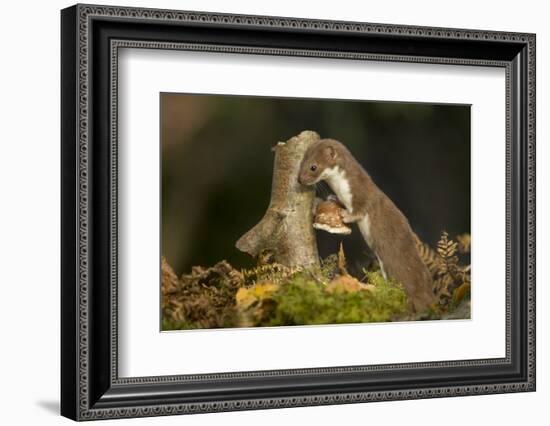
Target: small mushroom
(328, 217)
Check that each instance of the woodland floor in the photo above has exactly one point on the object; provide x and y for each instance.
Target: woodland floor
(221, 296)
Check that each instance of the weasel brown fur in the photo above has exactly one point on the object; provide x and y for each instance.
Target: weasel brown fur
(384, 227)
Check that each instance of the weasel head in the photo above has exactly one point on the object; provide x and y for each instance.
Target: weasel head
(319, 157)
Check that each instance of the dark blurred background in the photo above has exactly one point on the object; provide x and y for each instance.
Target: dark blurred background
(217, 167)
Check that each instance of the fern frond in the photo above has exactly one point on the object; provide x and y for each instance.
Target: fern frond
(428, 255)
(450, 275)
(273, 272)
(446, 247)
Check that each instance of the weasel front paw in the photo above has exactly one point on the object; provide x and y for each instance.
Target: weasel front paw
(348, 217)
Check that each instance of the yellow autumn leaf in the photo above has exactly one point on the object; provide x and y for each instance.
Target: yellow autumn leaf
(464, 243)
(246, 297)
(461, 291)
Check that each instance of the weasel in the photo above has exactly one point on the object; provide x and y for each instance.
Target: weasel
(383, 226)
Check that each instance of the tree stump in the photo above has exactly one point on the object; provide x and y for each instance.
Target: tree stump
(285, 234)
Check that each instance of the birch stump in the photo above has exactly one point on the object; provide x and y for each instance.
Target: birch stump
(285, 234)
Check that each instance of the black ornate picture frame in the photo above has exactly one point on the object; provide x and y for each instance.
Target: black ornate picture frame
(91, 387)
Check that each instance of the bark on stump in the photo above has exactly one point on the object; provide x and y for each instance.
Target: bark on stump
(286, 232)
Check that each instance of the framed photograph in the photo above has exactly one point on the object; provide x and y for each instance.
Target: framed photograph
(263, 212)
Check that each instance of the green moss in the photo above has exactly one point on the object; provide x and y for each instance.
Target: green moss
(304, 300)
(169, 325)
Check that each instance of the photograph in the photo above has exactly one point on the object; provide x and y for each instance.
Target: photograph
(266, 209)
(303, 212)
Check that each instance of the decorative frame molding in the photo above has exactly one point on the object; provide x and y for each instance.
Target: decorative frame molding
(91, 388)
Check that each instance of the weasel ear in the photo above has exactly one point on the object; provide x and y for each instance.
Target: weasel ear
(330, 152)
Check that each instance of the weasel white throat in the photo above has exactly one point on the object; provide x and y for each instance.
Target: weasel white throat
(336, 178)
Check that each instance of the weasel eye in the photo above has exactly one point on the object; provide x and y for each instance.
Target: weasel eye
(313, 168)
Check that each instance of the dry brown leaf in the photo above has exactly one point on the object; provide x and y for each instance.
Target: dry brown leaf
(347, 284)
(342, 261)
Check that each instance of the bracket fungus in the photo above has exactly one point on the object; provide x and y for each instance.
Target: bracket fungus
(328, 217)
